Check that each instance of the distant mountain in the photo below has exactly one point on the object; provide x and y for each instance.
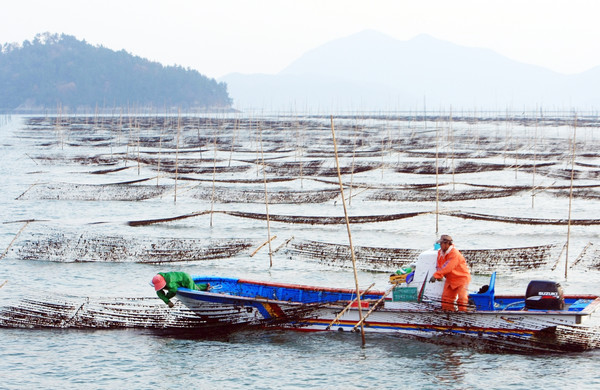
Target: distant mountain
(60, 71)
(370, 70)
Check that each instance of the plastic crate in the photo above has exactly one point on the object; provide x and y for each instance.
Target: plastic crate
(404, 294)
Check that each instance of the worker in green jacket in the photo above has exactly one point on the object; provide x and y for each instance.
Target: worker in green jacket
(171, 281)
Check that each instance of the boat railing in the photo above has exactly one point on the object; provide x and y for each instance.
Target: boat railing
(505, 308)
(484, 300)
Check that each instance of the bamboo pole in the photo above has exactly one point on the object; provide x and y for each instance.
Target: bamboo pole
(516, 150)
(301, 154)
(362, 330)
(177, 153)
(362, 320)
(506, 135)
(137, 125)
(257, 161)
(437, 186)
(534, 162)
(262, 245)
(389, 143)
(451, 130)
(14, 239)
(299, 149)
(59, 124)
(128, 139)
(284, 244)
(212, 198)
(347, 307)
(235, 126)
(558, 258)
(162, 130)
(262, 156)
(30, 187)
(571, 195)
(352, 196)
(199, 139)
(581, 254)
(382, 154)
(352, 169)
(424, 113)
(120, 126)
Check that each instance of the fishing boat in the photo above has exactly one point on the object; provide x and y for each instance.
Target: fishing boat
(541, 320)
(232, 302)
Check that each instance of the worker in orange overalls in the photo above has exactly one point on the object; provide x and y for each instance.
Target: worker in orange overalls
(452, 265)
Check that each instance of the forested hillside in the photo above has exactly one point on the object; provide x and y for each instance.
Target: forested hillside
(61, 71)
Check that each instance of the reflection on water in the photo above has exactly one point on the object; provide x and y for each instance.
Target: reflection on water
(270, 360)
(447, 368)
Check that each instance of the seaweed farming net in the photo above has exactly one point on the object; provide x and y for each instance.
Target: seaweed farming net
(94, 192)
(229, 133)
(150, 141)
(431, 195)
(554, 339)
(302, 148)
(589, 258)
(322, 220)
(481, 261)
(58, 311)
(86, 247)
(429, 168)
(579, 194)
(132, 191)
(522, 220)
(510, 260)
(61, 159)
(360, 219)
(367, 258)
(229, 195)
(62, 311)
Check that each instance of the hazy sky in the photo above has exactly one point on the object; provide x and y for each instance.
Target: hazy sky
(263, 36)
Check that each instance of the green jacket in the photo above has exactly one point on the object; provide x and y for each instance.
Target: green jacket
(174, 281)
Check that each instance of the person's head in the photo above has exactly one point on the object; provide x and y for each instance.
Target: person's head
(445, 241)
(159, 282)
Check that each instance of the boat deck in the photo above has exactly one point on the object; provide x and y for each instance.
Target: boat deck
(578, 303)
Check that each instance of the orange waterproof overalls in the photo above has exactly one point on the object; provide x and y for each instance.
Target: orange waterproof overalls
(454, 268)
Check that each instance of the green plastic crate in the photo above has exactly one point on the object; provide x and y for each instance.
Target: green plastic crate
(404, 294)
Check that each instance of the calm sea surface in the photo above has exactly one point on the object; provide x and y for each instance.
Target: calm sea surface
(270, 360)
(132, 358)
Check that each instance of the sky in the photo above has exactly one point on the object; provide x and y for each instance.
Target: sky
(219, 37)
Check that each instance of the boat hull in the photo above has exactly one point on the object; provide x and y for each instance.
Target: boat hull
(509, 330)
(216, 309)
(244, 302)
(235, 302)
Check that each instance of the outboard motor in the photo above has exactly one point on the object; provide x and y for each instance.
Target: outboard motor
(544, 295)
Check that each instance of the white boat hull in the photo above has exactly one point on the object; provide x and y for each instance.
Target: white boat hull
(547, 330)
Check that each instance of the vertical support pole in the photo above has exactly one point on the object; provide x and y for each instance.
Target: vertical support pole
(177, 153)
(571, 195)
(262, 156)
(337, 162)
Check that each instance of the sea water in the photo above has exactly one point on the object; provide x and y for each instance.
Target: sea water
(265, 359)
